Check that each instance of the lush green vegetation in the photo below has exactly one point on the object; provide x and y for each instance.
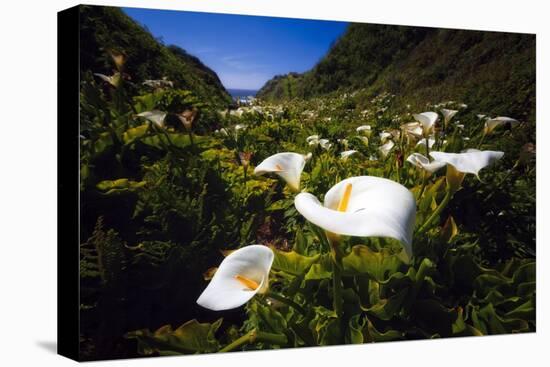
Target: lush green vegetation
(493, 71)
(171, 185)
(105, 29)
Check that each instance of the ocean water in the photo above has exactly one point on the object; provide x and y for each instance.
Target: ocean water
(235, 93)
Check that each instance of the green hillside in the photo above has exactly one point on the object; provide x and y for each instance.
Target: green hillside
(495, 71)
(106, 28)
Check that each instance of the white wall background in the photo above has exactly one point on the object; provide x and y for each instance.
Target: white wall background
(28, 180)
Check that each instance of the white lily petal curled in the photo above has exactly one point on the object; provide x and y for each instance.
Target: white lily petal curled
(240, 276)
(431, 142)
(424, 163)
(492, 124)
(386, 148)
(427, 119)
(385, 135)
(325, 144)
(287, 165)
(344, 155)
(448, 114)
(157, 117)
(470, 161)
(413, 129)
(375, 207)
(366, 128)
(312, 138)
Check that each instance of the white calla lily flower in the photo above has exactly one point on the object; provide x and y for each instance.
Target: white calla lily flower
(114, 79)
(470, 161)
(325, 144)
(241, 275)
(364, 139)
(386, 148)
(413, 129)
(363, 206)
(344, 155)
(428, 120)
(424, 163)
(492, 124)
(431, 142)
(448, 115)
(385, 135)
(287, 165)
(364, 128)
(312, 138)
(157, 117)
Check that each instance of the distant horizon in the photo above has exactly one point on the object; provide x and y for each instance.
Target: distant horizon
(244, 51)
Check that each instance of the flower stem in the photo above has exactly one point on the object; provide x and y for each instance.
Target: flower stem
(254, 336)
(423, 187)
(191, 138)
(427, 141)
(438, 210)
(481, 140)
(336, 276)
(286, 301)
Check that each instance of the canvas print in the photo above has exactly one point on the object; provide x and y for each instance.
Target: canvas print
(259, 183)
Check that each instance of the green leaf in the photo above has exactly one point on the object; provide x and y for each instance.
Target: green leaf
(320, 270)
(387, 308)
(325, 327)
(292, 262)
(300, 243)
(191, 337)
(134, 133)
(120, 185)
(377, 336)
(378, 265)
(355, 330)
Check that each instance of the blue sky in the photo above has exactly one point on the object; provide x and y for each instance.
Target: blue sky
(245, 51)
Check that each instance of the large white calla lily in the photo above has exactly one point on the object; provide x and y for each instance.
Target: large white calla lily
(287, 165)
(492, 124)
(240, 276)
(424, 163)
(428, 120)
(157, 117)
(363, 206)
(470, 161)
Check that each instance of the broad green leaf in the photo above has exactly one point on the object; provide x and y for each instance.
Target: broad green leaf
(134, 133)
(377, 336)
(292, 262)
(387, 308)
(378, 265)
(326, 327)
(191, 337)
(355, 330)
(119, 186)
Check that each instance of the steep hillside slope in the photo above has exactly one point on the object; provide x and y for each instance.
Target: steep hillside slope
(493, 71)
(106, 28)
